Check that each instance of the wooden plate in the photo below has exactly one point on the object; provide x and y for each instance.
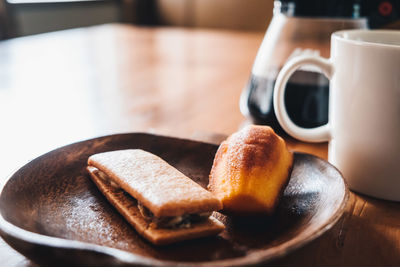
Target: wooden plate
(51, 211)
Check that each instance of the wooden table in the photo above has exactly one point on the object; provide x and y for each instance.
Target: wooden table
(62, 87)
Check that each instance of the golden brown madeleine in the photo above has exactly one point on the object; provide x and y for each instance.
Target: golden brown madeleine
(250, 171)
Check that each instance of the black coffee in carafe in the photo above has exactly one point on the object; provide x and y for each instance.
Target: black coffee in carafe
(306, 99)
(297, 27)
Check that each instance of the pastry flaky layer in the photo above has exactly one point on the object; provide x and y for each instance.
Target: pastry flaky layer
(250, 171)
(161, 188)
(161, 203)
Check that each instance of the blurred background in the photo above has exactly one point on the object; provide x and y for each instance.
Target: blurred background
(26, 17)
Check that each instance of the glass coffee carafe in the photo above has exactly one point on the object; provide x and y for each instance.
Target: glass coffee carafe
(297, 27)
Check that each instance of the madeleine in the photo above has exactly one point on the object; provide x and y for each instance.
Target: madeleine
(250, 171)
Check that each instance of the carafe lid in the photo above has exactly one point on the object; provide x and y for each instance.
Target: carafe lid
(319, 8)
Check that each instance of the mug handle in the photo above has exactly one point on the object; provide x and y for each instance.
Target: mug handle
(318, 134)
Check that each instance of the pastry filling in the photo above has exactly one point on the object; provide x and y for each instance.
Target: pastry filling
(172, 222)
(107, 179)
(166, 222)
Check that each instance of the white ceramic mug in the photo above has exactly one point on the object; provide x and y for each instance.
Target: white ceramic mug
(364, 109)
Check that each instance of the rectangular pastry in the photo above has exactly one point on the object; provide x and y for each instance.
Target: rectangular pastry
(160, 202)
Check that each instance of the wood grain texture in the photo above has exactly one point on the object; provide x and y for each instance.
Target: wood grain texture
(62, 87)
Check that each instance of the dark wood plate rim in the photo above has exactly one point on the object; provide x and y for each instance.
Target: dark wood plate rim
(8, 230)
